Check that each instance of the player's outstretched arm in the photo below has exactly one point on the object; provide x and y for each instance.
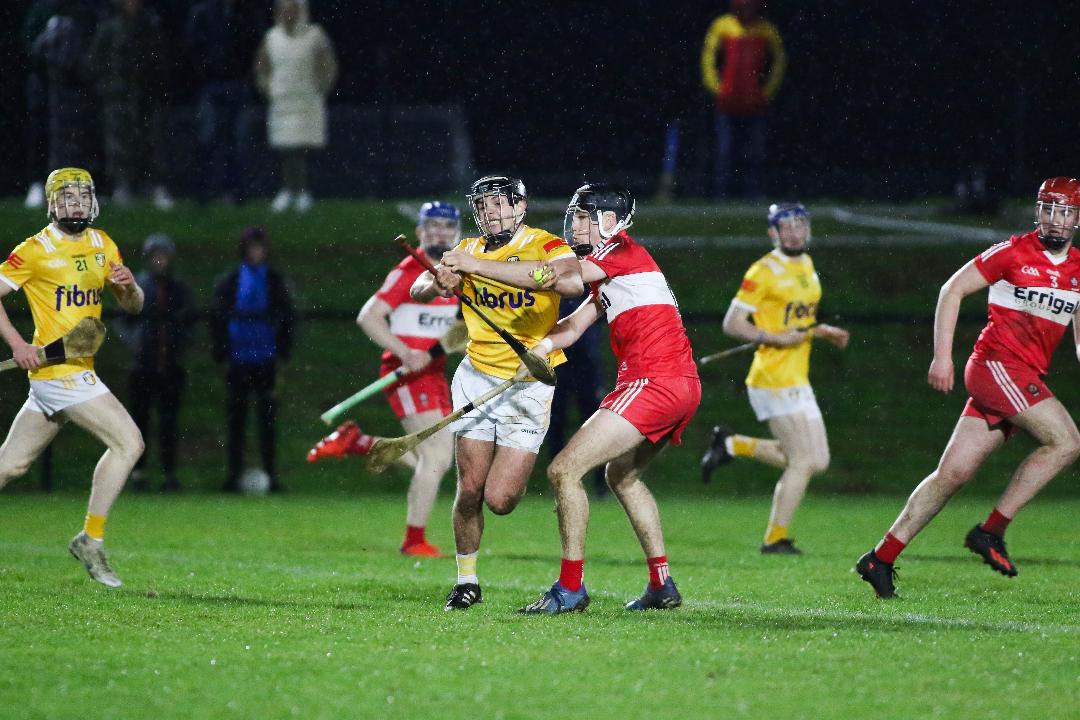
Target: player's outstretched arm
(964, 282)
(831, 334)
(25, 354)
(569, 329)
(737, 324)
(374, 321)
(124, 288)
(564, 276)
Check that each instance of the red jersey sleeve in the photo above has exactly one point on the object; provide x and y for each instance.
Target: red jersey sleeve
(395, 288)
(621, 256)
(995, 260)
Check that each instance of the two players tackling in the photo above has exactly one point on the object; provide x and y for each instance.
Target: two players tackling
(656, 394)
(1034, 282)
(63, 270)
(407, 330)
(496, 444)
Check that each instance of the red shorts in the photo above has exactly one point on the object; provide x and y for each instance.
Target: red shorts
(657, 407)
(998, 391)
(420, 393)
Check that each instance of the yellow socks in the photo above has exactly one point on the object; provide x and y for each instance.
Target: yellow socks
(774, 534)
(466, 569)
(741, 445)
(95, 526)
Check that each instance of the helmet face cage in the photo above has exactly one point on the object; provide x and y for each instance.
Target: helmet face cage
(596, 199)
(493, 187)
(1057, 205)
(789, 213)
(71, 190)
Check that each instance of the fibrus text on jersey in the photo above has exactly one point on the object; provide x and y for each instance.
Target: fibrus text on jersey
(74, 296)
(513, 299)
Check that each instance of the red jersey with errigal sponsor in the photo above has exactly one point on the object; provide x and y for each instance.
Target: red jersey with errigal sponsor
(418, 325)
(1033, 296)
(647, 333)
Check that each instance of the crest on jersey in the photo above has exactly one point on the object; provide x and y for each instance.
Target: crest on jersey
(1074, 283)
(100, 259)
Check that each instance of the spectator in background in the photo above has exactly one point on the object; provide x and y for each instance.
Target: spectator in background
(127, 59)
(581, 386)
(159, 339)
(295, 69)
(37, 16)
(221, 39)
(252, 328)
(60, 50)
(748, 46)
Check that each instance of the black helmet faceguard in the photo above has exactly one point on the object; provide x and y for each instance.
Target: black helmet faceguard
(597, 199)
(493, 185)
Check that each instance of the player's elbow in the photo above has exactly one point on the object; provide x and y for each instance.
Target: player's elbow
(570, 287)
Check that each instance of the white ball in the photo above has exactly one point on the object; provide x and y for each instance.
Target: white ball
(254, 481)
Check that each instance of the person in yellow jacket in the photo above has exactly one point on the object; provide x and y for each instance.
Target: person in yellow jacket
(63, 270)
(742, 66)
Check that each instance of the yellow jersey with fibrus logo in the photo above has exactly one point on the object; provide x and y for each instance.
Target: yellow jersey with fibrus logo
(529, 314)
(63, 281)
(782, 293)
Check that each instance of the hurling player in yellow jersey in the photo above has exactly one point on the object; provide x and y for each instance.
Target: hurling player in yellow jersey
(497, 442)
(776, 307)
(63, 270)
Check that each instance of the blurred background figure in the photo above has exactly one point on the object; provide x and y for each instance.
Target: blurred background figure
(295, 69)
(221, 39)
(37, 15)
(252, 328)
(128, 63)
(742, 65)
(59, 51)
(158, 341)
(580, 387)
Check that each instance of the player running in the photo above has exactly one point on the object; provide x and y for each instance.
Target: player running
(406, 330)
(1034, 282)
(656, 394)
(63, 270)
(496, 444)
(776, 307)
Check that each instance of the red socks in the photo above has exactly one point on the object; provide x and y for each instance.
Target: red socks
(414, 535)
(996, 523)
(889, 547)
(658, 571)
(570, 574)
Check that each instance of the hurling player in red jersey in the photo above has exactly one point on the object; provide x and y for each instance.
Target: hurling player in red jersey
(656, 393)
(1034, 282)
(406, 330)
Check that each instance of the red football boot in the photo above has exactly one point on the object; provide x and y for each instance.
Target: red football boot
(348, 439)
(421, 549)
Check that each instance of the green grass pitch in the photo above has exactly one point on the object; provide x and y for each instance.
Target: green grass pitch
(302, 607)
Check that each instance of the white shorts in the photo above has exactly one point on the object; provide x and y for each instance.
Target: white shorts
(517, 418)
(52, 396)
(773, 402)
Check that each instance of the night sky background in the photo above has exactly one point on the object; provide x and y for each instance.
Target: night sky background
(881, 99)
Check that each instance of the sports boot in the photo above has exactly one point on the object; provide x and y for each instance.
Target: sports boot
(665, 597)
(717, 453)
(91, 553)
(348, 439)
(992, 549)
(558, 600)
(881, 575)
(463, 597)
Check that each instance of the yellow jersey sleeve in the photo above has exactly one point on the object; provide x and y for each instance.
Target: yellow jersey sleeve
(19, 266)
(754, 286)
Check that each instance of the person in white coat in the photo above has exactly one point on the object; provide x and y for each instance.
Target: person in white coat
(295, 69)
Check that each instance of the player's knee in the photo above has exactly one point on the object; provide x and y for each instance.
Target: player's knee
(953, 477)
(559, 474)
(1070, 447)
(501, 503)
(10, 471)
(820, 464)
